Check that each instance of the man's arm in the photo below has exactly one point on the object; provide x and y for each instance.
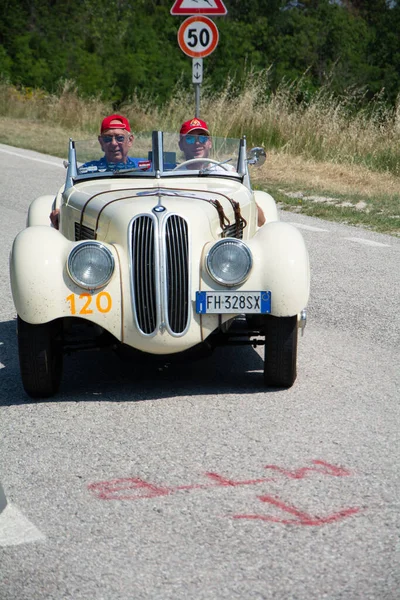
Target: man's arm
(55, 217)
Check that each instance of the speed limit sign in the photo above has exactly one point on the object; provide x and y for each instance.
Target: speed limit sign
(198, 36)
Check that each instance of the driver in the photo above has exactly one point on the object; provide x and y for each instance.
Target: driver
(195, 142)
(115, 140)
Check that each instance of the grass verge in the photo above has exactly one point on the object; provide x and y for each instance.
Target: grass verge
(322, 159)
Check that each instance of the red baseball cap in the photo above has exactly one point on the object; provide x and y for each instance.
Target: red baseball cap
(115, 122)
(193, 124)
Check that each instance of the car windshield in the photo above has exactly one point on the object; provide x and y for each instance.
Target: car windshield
(153, 152)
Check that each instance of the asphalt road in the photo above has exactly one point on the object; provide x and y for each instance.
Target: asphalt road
(192, 483)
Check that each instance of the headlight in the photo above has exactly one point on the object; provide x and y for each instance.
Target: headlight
(90, 265)
(229, 262)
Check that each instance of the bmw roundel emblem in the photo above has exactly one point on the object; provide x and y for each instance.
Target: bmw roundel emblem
(159, 208)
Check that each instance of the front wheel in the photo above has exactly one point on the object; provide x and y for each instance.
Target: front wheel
(280, 359)
(40, 357)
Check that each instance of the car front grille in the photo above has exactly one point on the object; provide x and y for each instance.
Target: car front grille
(160, 273)
(83, 233)
(234, 231)
(177, 248)
(143, 273)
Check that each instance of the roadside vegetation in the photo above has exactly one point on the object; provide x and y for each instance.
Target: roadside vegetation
(329, 156)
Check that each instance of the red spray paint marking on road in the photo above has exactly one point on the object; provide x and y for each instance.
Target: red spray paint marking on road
(133, 488)
(110, 490)
(302, 518)
(321, 467)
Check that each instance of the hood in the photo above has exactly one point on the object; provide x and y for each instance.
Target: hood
(105, 214)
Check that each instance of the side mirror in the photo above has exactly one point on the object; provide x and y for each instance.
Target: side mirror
(256, 156)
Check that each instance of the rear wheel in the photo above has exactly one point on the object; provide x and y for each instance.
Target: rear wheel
(280, 359)
(40, 357)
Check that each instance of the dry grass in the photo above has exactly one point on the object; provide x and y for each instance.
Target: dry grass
(280, 167)
(321, 146)
(65, 110)
(323, 128)
(342, 179)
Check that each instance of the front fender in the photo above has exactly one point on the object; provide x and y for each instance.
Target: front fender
(43, 291)
(281, 265)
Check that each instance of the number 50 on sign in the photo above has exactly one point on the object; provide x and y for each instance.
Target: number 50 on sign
(198, 36)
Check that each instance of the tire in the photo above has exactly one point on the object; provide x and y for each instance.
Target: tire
(40, 357)
(280, 359)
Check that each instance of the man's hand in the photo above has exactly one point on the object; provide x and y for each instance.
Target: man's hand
(55, 218)
(260, 216)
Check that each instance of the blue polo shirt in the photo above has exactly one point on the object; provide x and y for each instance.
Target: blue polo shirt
(103, 165)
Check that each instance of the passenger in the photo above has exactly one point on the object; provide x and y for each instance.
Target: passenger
(195, 142)
(115, 140)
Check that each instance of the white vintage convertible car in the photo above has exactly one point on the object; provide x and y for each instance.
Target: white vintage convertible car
(164, 258)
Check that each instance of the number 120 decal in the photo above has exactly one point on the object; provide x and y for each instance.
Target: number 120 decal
(85, 304)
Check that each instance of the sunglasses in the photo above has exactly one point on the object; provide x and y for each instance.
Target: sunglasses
(191, 139)
(107, 139)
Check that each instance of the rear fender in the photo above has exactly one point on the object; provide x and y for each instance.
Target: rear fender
(39, 211)
(268, 205)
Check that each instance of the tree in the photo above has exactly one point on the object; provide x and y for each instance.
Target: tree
(115, 48)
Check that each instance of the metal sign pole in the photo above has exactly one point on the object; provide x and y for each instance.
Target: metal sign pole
(197, 99)
(197, 79)
(198, 37)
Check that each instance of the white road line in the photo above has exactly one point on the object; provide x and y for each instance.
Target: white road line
(2, 366)
(16, 529)
(309, 227)
(3, 499)
(367, 242)
(46, 162)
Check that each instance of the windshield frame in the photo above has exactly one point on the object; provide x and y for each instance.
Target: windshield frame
(157, 167)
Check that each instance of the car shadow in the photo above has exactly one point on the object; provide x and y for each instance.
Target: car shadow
(102, 375)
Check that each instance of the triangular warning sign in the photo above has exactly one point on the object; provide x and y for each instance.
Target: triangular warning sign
(198, 7)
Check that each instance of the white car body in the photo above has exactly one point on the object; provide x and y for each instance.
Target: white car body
(156, 227)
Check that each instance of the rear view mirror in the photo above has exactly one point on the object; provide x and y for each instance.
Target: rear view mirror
(256, 156)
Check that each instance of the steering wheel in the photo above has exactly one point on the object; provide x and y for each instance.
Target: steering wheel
(198, 160)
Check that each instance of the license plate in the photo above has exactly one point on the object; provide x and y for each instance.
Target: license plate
(233, 302)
